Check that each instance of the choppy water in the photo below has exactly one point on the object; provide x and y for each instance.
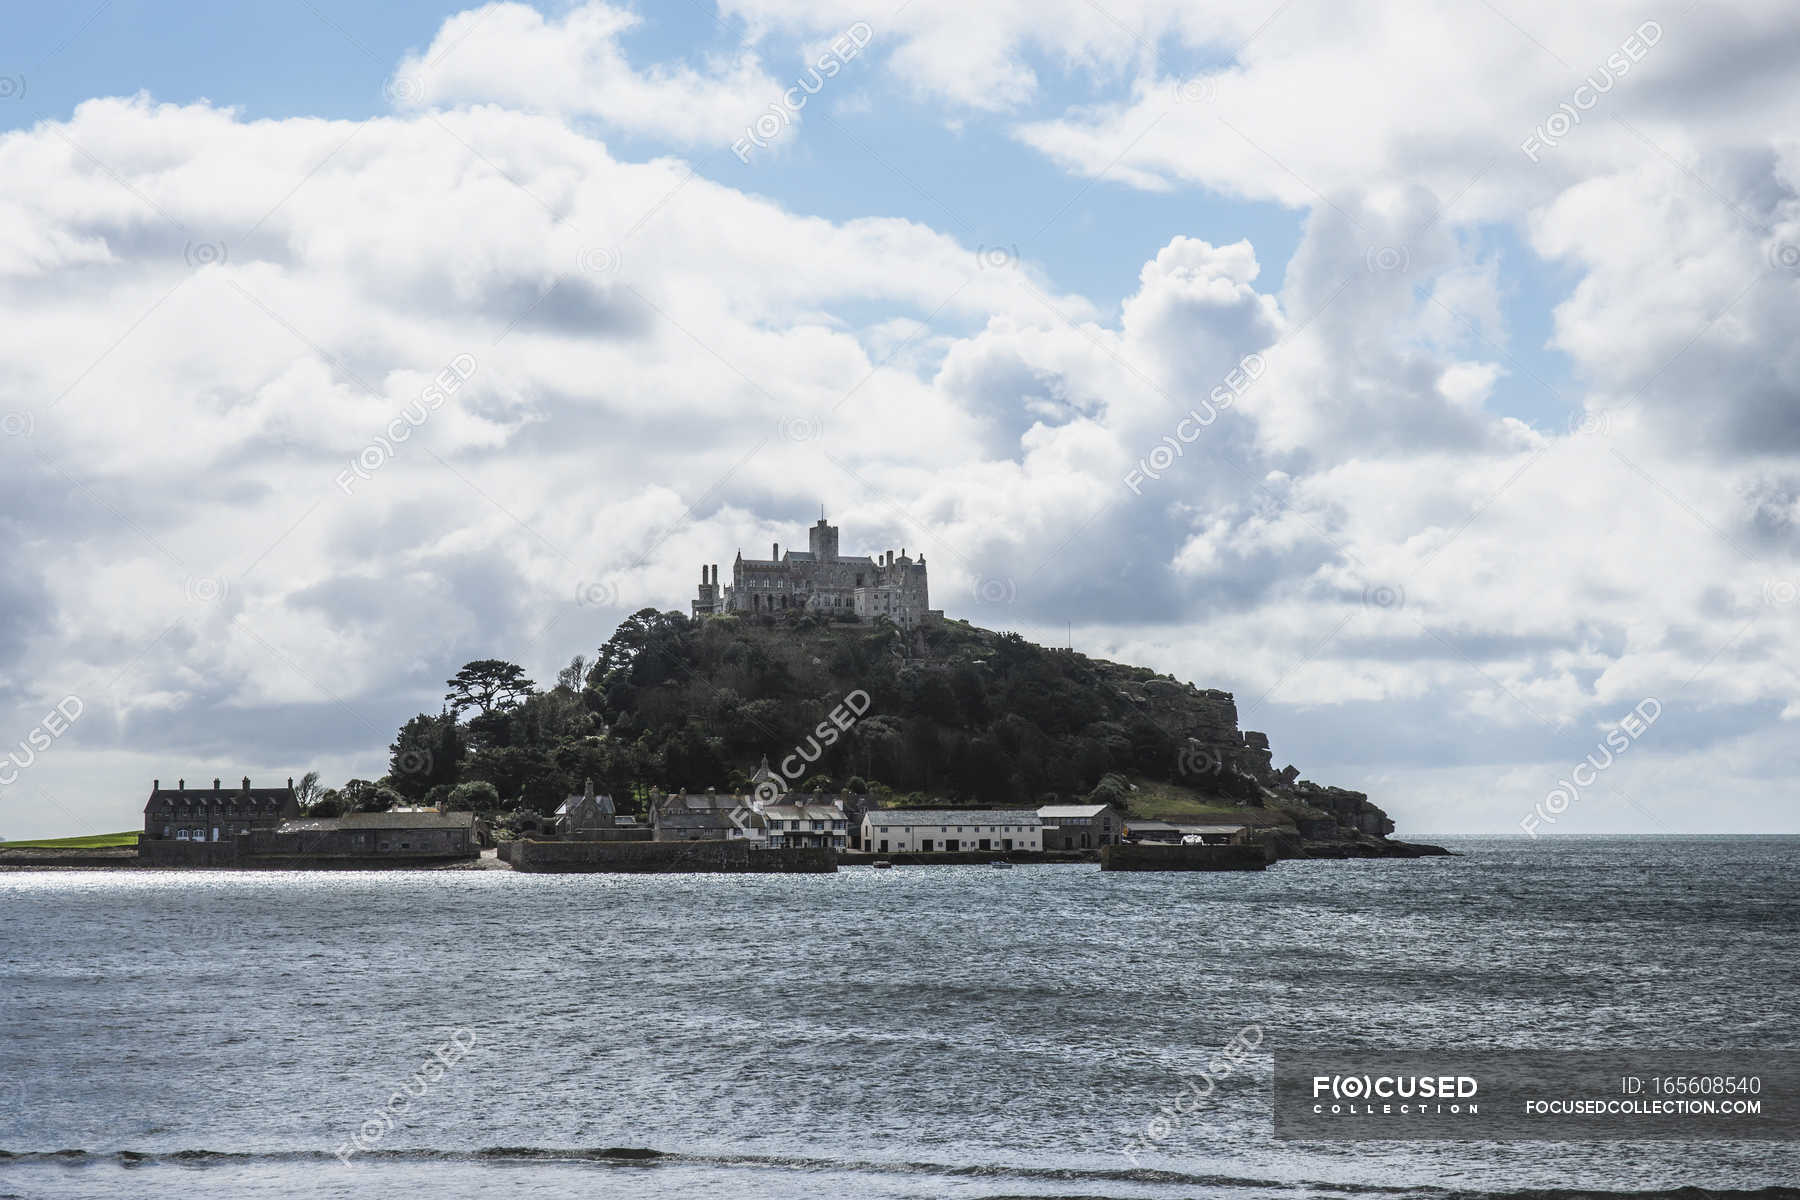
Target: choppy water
(955, 1032)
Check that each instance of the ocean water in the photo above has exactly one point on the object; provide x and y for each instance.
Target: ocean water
(922, 1032)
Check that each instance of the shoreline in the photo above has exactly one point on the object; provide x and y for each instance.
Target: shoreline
(488, 860)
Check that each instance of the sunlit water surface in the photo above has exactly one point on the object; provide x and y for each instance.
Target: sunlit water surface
(920, 1032)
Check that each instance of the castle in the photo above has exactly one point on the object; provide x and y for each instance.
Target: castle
(820, 578)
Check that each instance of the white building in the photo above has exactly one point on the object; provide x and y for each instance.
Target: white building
(797, 822)
(930, 830)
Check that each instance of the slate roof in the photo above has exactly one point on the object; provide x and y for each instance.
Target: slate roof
(950, 816)
(407, 820)
(1072, 810)
(603, 802)
(804, 812)
(309, 825)
(265, 799)
(700, 810)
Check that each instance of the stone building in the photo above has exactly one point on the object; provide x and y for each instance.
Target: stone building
(1080, 826)
(427, 834)
(215, 815)
(819, 579)
(586, 814)
(704, 817)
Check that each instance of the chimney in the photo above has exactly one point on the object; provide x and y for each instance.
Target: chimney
(182, 783)
(156, 785)
(715, 572)
(775, 551)
(246, 783)
(290, 783)
(215, 783)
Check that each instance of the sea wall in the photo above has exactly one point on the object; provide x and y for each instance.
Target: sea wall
(965, 858)
(1150, 856)
(668, 857)
(164, 852)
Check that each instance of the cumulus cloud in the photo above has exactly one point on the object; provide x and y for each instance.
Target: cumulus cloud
(512, 55)
(301, 414)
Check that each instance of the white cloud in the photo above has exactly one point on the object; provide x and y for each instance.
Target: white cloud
(511, 55)
(668, 368)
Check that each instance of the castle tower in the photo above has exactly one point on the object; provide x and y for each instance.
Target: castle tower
(707, 600)
(822, 540)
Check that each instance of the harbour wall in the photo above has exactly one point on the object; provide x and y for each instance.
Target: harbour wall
(667, 857)
(1151, 856)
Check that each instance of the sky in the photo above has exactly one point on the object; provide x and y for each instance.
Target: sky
(1421, 373)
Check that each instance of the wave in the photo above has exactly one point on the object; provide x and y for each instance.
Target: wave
(638, 1156)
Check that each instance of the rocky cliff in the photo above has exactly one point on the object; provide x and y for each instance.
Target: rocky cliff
(1216, 755)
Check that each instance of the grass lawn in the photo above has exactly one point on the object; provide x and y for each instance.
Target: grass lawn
(93, 841)
(1155, 800)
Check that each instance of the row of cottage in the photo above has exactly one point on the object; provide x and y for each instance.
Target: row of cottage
(839, 823)
(770, 818)
(206, 825)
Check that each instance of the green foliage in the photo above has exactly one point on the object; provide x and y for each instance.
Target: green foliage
(1113, 789)
(425, 754)
(360, 795)
(956, 714)
(329, 804)
(476, 796)
(487, 684)
(308, 790)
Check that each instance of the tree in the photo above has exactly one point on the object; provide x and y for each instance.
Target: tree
(1113, 789)
(424, 755)
(488, 684)
(330, 803)
(646, 648)
(574, 676)
(360, 795)
(476, 796)
(308, 792)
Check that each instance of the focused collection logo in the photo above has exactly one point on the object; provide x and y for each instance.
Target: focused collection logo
(1394, 1095)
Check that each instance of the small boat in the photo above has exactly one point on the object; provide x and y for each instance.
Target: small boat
(882, 864)
(1001, 864)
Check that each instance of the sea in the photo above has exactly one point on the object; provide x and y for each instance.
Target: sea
(915, 1032)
